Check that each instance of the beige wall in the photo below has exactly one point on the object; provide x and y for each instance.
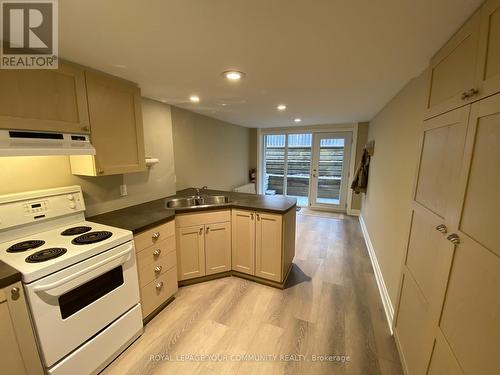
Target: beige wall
(360, 144)
(209, 151)
(386, 206)
(102, 193)
(253, 148)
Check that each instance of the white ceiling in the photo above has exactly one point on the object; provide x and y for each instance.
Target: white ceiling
(329, 61)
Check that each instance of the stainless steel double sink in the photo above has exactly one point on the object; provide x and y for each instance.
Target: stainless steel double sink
(197, 201)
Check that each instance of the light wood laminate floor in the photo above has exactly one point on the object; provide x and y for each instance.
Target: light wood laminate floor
(331, 307)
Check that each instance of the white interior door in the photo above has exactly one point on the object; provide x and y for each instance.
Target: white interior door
(330, 167)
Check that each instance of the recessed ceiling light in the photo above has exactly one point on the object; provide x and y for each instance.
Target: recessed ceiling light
(233, 75)
(281, 107)
(194, 99)
(223, 104)
(297, 120)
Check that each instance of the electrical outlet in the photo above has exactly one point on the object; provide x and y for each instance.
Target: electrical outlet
(123, 190)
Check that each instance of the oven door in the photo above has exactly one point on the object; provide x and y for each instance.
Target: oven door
(74, 304)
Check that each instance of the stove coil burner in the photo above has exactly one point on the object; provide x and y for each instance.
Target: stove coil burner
(91, 237)
(45, 254)
(25, 245)
(75, 230)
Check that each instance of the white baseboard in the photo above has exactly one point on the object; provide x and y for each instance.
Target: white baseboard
(353, 212)
(384, 294)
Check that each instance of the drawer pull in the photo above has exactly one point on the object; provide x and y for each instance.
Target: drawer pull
(158, 269)
(159, 285)
(14, 293)
(157, 252)
(155, 236)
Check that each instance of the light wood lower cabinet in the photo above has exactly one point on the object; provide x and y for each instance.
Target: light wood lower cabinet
(204, 243)
(255, 243)
(156, 266)
(17, 340)
(217, 248)
(243, 241)
(263, 244)
(191, 245)
(268, 246)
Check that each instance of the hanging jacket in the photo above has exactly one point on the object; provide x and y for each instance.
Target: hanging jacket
(360, 182)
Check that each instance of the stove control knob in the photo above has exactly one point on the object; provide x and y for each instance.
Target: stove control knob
(70, 197)
(72, 205)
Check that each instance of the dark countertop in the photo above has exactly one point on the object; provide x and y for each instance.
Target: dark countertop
(146, 215)
(8, 275)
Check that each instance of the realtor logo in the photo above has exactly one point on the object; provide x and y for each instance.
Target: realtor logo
(28, 34)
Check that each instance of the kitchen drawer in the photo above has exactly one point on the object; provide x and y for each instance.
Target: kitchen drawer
(209, 217)
(154, 235)
(155, 252)
(154, 270)
(153, 296)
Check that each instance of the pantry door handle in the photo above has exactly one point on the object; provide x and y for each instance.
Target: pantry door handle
(453, 238)
(442, 228)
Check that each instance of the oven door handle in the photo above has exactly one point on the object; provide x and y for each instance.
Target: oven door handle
(58, 283)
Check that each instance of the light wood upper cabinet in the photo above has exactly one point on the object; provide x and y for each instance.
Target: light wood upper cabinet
(44, 100)
(243, 241)
(217, 248)
(191, 252)
(488, 68)
(453, 70)
(116, 128)
(467, 68)
(268, 246)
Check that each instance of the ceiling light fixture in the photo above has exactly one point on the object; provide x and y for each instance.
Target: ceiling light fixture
(233, 75)
(297, 120)
(281, 107)
(194, 99)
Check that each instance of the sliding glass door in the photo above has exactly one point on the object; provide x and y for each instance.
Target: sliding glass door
(287, 162)
(312, 167)
(330, 169)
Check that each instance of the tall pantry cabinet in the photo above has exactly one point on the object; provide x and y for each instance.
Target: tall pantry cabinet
(448, 312)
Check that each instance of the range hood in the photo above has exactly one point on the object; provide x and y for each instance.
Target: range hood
(33, 143)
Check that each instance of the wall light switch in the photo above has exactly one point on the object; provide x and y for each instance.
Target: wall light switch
(123, 190)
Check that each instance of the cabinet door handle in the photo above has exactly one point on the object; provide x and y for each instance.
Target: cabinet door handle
(158, 269)
(15, 293)
(157, 252)
(155, 235)
(159, 285)
(442, 228)
(207, 230)
(201, 231)
(251, 216)
(258, 216)
(453, 238)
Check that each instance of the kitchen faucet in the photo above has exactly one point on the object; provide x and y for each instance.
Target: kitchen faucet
(200, 190)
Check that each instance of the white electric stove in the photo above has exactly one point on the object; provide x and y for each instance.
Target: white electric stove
(79, 277)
